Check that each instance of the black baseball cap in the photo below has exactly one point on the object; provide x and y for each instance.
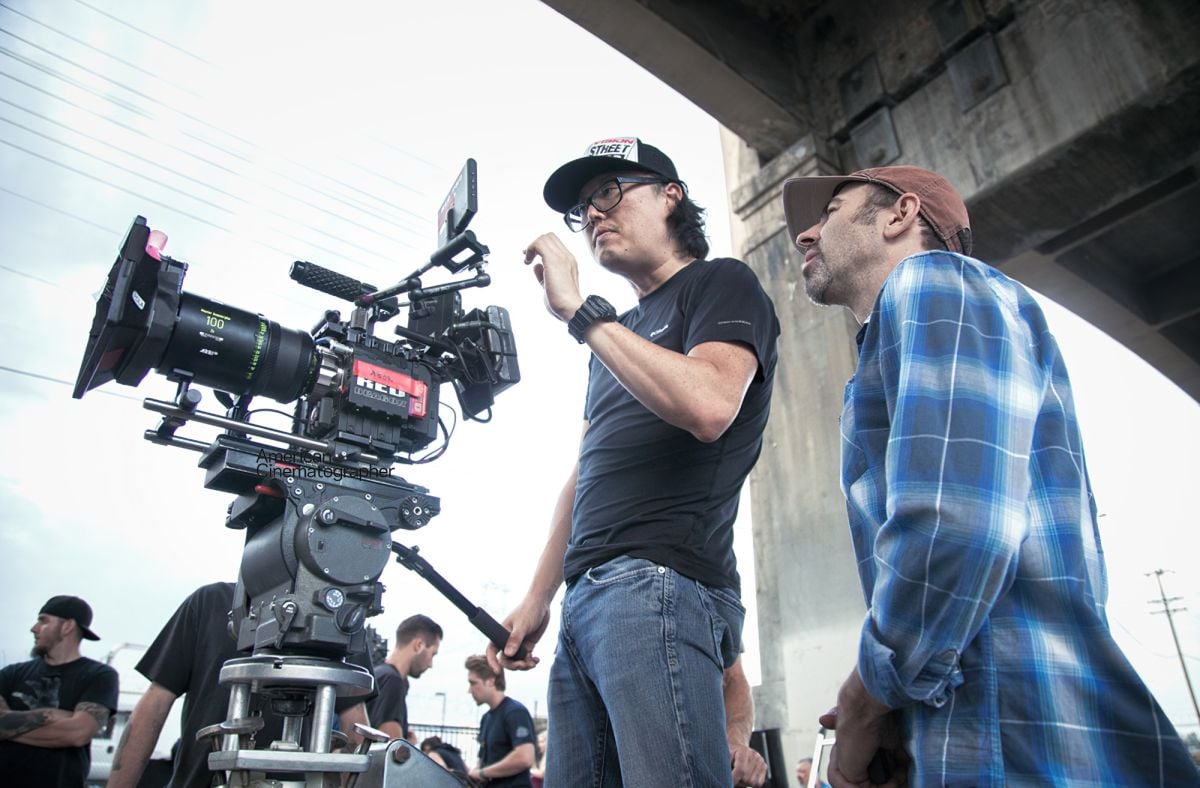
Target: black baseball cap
(615, 154)
(74, 608)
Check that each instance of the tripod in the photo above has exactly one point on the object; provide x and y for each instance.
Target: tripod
(318, 539)
(308, 687)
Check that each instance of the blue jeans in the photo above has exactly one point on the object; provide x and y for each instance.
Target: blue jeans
(635, 690)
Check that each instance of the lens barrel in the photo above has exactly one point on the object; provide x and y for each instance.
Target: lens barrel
(237, 351)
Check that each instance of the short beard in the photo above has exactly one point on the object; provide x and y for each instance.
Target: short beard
(38, 651)
(815, 295)
(816, 286)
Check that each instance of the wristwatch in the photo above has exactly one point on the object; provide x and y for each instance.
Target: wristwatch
(593, 309)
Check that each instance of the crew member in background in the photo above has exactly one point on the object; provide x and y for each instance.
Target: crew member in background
(52, 705)
(417, 640)
(506, 735)
(446, 754)
(185, 659)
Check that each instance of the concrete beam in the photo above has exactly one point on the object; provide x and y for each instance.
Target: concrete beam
(710, 52)
(808, 624)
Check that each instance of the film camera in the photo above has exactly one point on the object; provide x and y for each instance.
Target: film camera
(319, 502)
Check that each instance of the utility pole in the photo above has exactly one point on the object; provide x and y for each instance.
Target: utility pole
(443, 710)
(1168, 610)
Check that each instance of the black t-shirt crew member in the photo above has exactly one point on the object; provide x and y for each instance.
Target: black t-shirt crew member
(186, 659)
(52, 705)
(507, 741)
(678, 397)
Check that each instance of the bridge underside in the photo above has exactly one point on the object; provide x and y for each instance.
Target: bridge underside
(1073, 128)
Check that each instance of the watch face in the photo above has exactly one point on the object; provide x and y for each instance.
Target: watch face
(603, 308)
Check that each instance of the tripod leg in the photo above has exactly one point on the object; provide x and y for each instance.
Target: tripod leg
(318, 740)
(239, 708)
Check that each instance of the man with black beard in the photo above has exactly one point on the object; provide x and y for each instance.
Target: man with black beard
(52, 705)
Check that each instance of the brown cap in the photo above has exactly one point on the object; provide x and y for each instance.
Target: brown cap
(804, 199)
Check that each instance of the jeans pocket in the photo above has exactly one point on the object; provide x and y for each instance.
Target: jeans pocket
(618, 569)
(727, 615)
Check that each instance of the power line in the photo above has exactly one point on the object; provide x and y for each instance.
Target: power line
(401, 151)
(310, 245)
(186, 152)
(152, 99)
(1148, 649)
(38, 376)
(343, 198)
(173, 46)
(337, 185)
(83, 43)
(316, 245)
(112, 185)
(49, 71)
(117, 123)
(281, 192)
(275, 294)
(158, 167)
(116, 165)
(66, 213)
(1168, 610)
(28, 275)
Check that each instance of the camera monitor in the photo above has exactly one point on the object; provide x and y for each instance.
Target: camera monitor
(460, 204)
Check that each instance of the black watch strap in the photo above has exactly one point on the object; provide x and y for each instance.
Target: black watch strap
(593, 309)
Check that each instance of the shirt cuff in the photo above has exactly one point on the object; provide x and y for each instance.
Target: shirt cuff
(932, 685)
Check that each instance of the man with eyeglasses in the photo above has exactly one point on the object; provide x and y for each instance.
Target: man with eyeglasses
(678, 396)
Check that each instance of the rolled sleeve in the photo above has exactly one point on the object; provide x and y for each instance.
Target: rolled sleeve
(935, 682)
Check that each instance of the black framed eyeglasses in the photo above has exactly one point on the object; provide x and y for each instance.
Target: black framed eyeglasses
(605, 197)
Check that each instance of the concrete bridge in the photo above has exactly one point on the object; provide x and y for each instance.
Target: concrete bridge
(1072, 127)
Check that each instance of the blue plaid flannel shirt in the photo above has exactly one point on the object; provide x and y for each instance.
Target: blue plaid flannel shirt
(975, 531)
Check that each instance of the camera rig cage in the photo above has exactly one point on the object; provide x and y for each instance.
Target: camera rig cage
(319, 503)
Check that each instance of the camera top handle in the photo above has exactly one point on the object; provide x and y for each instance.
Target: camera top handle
(338, 285)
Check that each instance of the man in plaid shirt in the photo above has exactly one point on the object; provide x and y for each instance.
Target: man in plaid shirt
(985, 657)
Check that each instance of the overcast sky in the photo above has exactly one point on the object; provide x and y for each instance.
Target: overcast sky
(258, 134)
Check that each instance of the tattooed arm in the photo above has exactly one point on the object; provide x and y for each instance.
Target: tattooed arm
(140, 736)
(14, 724)
(62, 728)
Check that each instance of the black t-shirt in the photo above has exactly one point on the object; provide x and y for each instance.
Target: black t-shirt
(391, 693)
(501, 731)
(647, 489)
(38, 685)
(186, 658)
